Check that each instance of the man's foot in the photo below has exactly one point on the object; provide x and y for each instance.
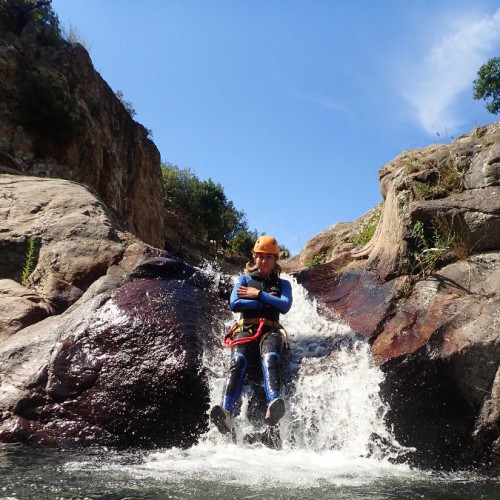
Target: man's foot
(275, 410)
(221, 418)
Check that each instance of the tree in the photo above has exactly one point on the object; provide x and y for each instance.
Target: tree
(243, 241)
(205, 203)
(179, 185)
(284, 252)
(126, 103)
(487, 85)
(16, 14)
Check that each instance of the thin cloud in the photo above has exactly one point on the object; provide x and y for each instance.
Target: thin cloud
(323, 102)
(448, 69)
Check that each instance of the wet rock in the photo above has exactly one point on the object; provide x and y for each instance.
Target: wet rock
(486, 442)
(359, 297)
(427, 412)
(122, 366)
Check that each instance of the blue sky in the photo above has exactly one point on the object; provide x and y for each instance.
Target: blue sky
(292, 106)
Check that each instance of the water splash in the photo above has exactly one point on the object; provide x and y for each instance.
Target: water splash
(333, 431)
(332, 393)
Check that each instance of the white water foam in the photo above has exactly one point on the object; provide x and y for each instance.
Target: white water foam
(333, 431)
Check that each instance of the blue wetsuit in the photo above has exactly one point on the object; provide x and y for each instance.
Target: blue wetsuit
(267, 350)
(260, 307)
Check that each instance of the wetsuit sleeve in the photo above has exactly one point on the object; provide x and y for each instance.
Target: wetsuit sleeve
(282, 303)
(238, 304)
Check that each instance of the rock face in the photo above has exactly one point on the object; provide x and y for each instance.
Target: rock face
(425, 292)
(120, 367)
(121, 363)
(335, 244)
(60, 119)
(20, 307)
(105, 346)
(76, 237)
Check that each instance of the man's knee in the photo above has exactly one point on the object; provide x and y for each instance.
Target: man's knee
(272, 360)
(238, 362)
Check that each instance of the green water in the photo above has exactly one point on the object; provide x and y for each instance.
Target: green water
(103, 474)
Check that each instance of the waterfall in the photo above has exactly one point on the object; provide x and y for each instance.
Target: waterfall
(333, 429)
(331, 386)
(334, 441)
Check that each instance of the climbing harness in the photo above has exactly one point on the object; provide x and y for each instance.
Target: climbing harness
(245, 325)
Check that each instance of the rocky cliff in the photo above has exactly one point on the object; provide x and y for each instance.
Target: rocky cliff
(59, 118)
(425, 292)
(104, 344)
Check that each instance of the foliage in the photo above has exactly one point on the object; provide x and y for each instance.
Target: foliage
(15, 15)
(442, 241)
(126, 103)
(317, 259)
(487, 85)
(367, 231)
(411, 166)
(29, 261)
(205, 203)
(428, 250)
(243, 241)
(72, 35)
(448, 176)
(424, 190)
(452, 177)
(407, 287)
(451, 231)
(284, 252)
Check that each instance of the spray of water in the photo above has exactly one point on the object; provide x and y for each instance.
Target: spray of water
(333, 430)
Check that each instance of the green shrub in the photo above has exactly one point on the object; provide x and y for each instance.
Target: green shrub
(284, 252)
(447, 176)
(317, 259)
(424, 190)
(428, 249)
(205, 203)
(441, 242)
(243, 242)
(15, 15)
(411, 166)
(452, 177)
(126, 103)
(367, 231)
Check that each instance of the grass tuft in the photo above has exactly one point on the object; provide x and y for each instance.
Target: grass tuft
(29, 261)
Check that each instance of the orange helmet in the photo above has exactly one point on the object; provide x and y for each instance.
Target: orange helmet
(266, 244)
